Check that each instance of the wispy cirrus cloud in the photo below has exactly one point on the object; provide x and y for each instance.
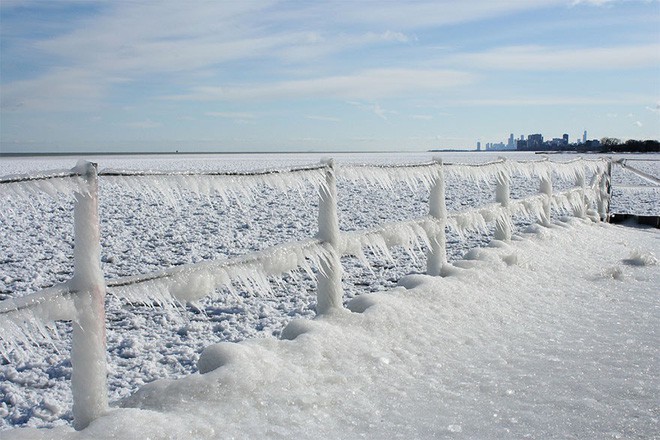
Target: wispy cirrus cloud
(145, 124)
(367, 84)
(591, 2)
(546, 100)
(322, 118)
(422, 117)
(561, 58)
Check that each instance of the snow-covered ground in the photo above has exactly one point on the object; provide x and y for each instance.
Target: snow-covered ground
(552, 336)
(432, 395)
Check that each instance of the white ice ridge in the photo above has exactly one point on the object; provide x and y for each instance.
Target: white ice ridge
(56, 183)
(424, 174)
(24, 321)
(566, 171)
(410, 235)
(182, 284)
(228, 185)
(386, 176)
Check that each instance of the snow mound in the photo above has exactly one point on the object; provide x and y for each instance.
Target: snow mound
(641, 258)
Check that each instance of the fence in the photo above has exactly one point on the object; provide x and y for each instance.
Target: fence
(82, 299)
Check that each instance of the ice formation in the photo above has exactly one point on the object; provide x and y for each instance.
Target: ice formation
(22, 321)
(187, 283)
(172, 186)
(53, 183)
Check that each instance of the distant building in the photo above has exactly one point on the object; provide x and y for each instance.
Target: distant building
(535, 142)
(511, 145)
(584, 137)
(478, 146)
(565, 138)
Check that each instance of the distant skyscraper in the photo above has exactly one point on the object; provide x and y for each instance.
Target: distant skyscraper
(478, 146)
(511, 144)
(565, 137)
(534, 141)
(584, 136)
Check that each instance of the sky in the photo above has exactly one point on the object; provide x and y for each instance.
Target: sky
(216, 76)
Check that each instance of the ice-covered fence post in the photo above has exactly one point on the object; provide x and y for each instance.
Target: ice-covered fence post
(580, 210)
(605, 192)
(502, 196)
(330, 293)
(546, 190)
(88, 352)
(437, 256)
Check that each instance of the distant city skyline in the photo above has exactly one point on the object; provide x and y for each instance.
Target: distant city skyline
(162, 76)
(538, 139)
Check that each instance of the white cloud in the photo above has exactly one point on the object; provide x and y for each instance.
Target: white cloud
(592, 2)
(323, 118)
(638, 124)
(62, 89)
(367, 84)
(544, 58)
(422, 117)
(230, 115)
(236, 117)
(534, 101)
(146, 124)
(419, 14)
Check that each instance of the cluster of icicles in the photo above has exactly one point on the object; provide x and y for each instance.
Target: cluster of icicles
(26, 320)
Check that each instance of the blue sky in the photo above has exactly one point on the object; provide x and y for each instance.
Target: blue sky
(324, 76)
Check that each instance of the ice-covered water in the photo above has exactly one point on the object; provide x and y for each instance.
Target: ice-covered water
(142, 233)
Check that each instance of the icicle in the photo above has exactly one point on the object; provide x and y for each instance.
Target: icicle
(415, 176)
(172, 187)
(55, 184)
(194, 281)
(22, 320)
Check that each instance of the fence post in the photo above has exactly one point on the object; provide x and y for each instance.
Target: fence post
(330, 292)
(88, 352)
(437, 255)
(546, 189)
(502, 196)
(580, 182)
(605, 192)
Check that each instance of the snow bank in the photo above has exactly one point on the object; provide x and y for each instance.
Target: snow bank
(525, 340)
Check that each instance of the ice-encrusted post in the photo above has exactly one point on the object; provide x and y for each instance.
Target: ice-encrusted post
(546, 190)
(605, 192)
(437, 255)
(580, 210)
(88, 352)
(502, 196)
(330, 293)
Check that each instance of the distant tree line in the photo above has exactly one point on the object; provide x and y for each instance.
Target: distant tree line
(615, 145)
